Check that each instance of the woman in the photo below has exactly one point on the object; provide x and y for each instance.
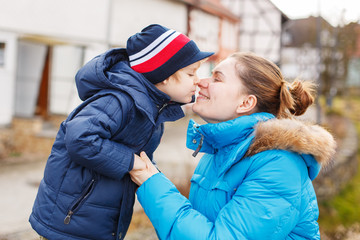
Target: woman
(254, 181)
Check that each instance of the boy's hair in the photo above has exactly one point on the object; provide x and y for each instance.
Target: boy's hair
(158, 52)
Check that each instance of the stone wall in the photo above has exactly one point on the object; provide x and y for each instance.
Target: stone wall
(6, 142)
(28, 137)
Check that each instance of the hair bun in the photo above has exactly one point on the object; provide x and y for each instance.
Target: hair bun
(302, 93)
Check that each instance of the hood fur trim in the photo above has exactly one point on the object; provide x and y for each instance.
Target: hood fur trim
(294, 135)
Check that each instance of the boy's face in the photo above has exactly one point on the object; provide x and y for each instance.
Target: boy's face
(181, 86)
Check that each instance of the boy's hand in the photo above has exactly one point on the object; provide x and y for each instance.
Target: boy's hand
(143, 169)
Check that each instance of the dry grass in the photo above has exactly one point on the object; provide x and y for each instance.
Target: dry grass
(340, 216)
(139, 221)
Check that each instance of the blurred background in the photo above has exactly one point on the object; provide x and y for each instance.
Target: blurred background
(44, 42)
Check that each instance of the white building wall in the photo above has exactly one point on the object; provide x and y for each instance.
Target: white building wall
(130, 17)
(67, 26)
(66, 61)
(205, 30)
(260, 27)
(229, 33)
(30, 64)
(101, 21)
(69, 19)
(300, 63)
(353, 76)
(260, 30)
(7, 77)
(90, 21)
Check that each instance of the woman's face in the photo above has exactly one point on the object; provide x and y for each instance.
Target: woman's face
(220, 96)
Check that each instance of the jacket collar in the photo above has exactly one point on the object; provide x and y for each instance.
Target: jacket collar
(219, 135)
(232, 138)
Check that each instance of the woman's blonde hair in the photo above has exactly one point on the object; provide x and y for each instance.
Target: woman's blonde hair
(275, 95)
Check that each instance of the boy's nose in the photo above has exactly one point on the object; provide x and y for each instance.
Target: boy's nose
(196, 81)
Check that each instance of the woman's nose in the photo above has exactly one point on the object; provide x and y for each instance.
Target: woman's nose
(203, 83)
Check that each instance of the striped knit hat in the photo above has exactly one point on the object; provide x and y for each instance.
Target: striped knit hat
(158, 52)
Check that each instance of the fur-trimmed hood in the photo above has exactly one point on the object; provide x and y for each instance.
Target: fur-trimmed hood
(296, 136)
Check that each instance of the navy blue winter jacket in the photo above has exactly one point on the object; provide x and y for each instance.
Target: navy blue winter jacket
(86, 192)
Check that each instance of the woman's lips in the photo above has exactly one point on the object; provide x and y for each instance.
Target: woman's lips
(202, 96)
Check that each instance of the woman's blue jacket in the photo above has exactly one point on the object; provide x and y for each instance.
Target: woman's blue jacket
(86, 192)
(254, 182)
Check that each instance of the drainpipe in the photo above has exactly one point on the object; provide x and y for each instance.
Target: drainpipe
(109, 25)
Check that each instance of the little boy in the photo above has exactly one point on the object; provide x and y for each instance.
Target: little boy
(128, 94)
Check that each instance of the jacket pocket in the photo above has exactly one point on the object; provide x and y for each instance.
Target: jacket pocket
(204, 183)
(209, 197)
(80, 201)
(201, 181)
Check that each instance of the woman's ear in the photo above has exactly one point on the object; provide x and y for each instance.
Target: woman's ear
(247, 104)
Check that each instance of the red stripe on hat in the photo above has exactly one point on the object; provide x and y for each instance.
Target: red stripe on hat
(164, 55)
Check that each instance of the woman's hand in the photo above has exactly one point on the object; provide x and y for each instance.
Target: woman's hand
(143, 169)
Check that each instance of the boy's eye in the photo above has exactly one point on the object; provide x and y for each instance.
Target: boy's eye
(217, 80)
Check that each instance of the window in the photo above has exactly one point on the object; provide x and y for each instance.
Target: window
(2, 54)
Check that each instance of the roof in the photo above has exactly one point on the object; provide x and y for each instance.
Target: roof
(304, 30)
(213, 7)
(284, 17)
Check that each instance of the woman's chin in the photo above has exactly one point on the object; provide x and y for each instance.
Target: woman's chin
(197, 111)
(195, 108)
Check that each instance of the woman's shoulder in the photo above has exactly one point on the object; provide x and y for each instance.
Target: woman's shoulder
(266, 161)
(275, 158)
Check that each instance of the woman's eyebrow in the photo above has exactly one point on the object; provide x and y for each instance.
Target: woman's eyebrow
(218, 72)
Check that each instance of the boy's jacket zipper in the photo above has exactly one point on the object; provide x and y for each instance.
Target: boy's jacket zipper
(79, 202)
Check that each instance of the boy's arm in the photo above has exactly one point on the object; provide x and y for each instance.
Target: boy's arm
(89, 135)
